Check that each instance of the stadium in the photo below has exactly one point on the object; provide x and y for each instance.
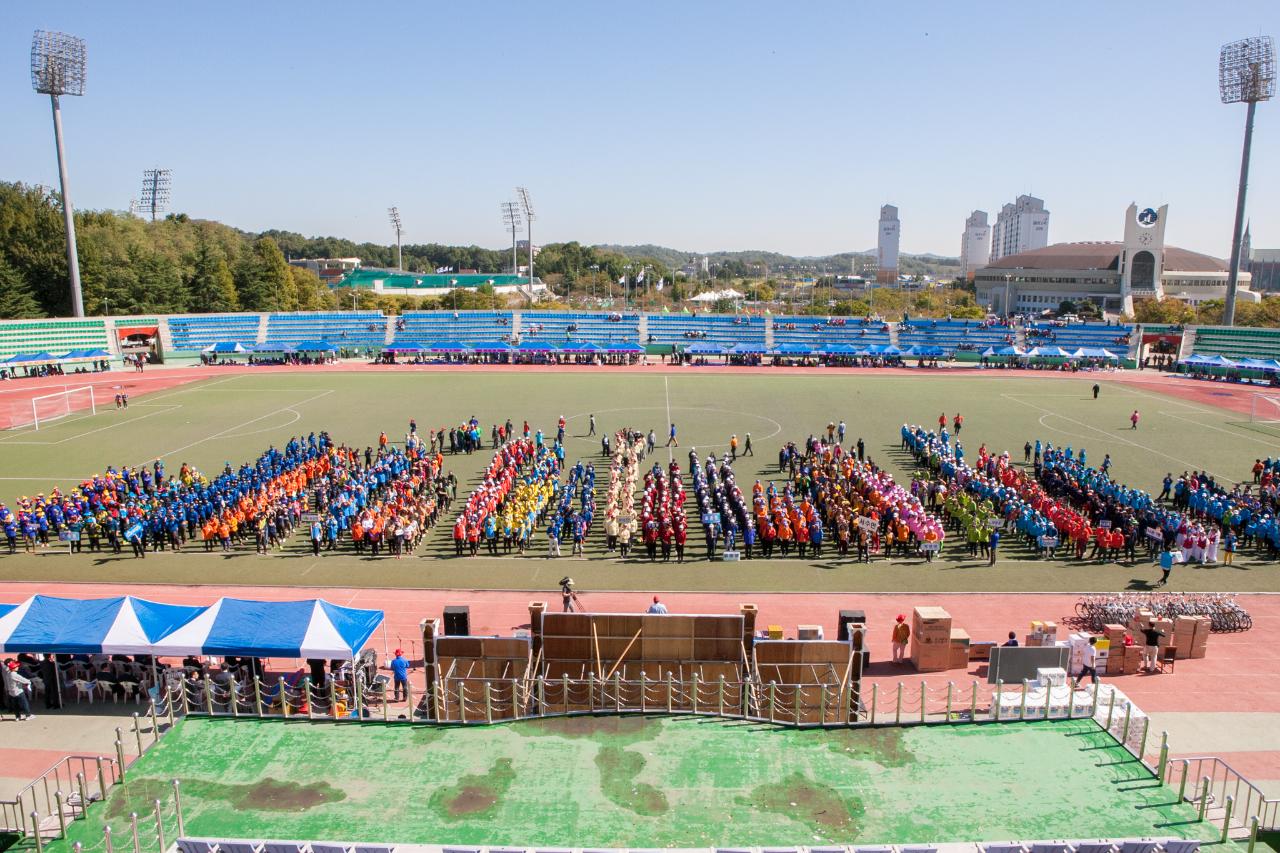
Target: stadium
(517, 550)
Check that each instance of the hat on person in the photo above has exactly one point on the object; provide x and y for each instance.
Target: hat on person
(901, 618)
(655, 599)
(13, 664)
(399, 652)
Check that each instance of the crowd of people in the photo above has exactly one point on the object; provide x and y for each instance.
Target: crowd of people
(514, 496)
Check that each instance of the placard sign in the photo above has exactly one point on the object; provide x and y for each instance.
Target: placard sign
(69, 535)
(710, 518)
(1048, 541)
(729, 556)
(931, 546)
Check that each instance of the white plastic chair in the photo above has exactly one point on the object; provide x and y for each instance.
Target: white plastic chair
(131, 689)
(84, 688)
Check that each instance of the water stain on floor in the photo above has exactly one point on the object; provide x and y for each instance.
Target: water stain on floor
(266, 795)
(618, 771)
(618, 730)
(806, 801)
(474, 795)
(885, 746)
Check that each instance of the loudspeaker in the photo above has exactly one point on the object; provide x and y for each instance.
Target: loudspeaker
(457, 621)
(847, 616)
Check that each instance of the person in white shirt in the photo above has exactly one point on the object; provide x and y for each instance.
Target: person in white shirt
(657, 607)
(1090, 662)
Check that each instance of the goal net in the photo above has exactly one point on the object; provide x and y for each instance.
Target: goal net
(50, 407)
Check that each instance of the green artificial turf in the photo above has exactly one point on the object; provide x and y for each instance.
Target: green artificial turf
(644, 782)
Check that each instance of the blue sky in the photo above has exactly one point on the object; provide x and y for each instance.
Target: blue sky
(697, 125)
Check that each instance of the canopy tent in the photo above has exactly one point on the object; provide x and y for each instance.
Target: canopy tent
(122, 625)
(491, 346)
(704, 348)
(747, 349)
(449, 346)
(221, 347)
(31, 358)
(312, 628)
(792, 349)
(84, 354)
(1048, 352)
(1263, 364)
(6, 608)
(1003, 352)
(925, 351)
(271, 348)
(403, 348)
(579, 347)
(840, 349)
(716, 295)
(1095, 352)
(535, 346)
(314, 346)
(623, 348)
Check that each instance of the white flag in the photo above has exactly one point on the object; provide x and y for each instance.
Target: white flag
(640, 277)
(661, 283)
(622, 279)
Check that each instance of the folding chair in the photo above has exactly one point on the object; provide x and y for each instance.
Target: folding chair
(329, 848)
(285, 847)
(196, 845)
(1050, 847)
(1144, 845)
(1094, 847)
(1168, 657)
(1182, 845)
(240, 847)
(1003, 847)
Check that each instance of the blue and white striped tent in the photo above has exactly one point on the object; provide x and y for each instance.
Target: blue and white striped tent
(312, 628)
(121, 625)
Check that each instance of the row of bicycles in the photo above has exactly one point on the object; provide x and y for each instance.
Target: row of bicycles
(1226, 615)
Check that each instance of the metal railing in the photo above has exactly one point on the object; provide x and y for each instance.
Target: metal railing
(1222, 794)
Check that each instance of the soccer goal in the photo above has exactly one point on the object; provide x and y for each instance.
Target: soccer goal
(50, 407)
(1265, 409)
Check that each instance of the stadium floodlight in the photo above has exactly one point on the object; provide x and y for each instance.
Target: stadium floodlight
(527, 207)
(1246, 74)
(394, 214)
(155, 191)
(57, 68)
(511, 218)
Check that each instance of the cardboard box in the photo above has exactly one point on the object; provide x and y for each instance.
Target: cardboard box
(980, 649)
(1115, 664)
(1198, 652)
(809, 632)
(1184, 625)
(959, 658)
(959, 636)
(1132, 659)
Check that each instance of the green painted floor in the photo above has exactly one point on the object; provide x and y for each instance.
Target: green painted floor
(644, 782)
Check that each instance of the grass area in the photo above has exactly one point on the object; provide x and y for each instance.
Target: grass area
(236, 416)
(646, 782)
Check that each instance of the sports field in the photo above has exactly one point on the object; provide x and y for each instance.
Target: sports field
(646, 782)
(236, 415)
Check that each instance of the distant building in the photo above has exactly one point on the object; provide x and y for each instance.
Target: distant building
(1108, 274)
(1020, 227)
(1262, 264)
(330, 270)
(887, 245)
(975, 244)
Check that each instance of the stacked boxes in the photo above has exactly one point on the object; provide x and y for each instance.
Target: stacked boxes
(1042, 634)
(1114, 636)
(959, 649)
(931, 639)
(1200, 638)
(1184, 631)
(1132, 659)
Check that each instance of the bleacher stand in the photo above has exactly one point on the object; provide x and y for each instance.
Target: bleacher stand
(1072, 336)
(817, 332)
(725, 330)
(1238, 342)
(560, 326)
(342, 329)
(197, 331)
(425, 328)
(953, 335)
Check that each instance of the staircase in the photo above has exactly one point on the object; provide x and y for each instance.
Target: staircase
(1188, 342)
(262, 329)
(893, 334)
(768, 331)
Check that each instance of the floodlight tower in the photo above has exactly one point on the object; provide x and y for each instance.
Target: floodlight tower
(511, 218)
(394, 213)
(155, 191)
(57, 68)
(526, 206)
(1246, 73)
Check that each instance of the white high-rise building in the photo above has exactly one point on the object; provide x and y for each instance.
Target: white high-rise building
(1020, 227)
(975, 245)
(887, 245)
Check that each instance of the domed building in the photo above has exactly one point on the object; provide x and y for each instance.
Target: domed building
(1108, 274)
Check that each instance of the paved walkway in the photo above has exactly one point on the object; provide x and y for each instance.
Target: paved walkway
(1227, 703)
